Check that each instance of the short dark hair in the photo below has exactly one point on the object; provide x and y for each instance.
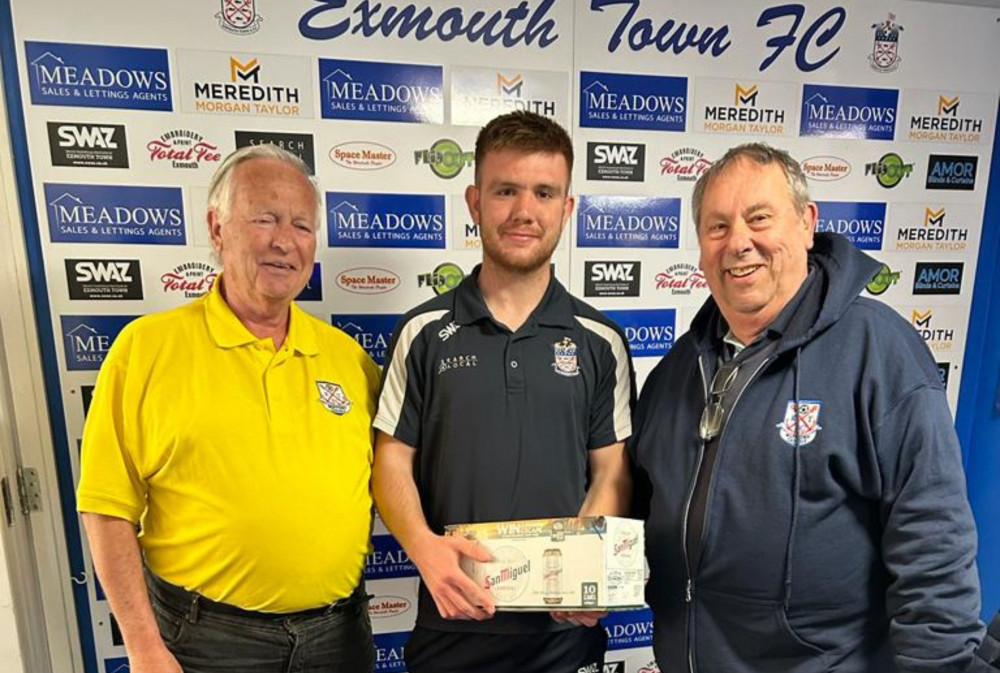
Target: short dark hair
(763, 155)
(526, 132)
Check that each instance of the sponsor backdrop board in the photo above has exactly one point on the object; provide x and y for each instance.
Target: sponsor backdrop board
(127, 115)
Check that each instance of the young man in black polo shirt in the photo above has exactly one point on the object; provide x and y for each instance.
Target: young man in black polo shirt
(504, 399)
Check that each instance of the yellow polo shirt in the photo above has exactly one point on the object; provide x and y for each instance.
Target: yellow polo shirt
(248, 468)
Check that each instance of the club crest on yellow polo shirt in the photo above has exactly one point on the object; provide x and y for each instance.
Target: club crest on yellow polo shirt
(333, 398)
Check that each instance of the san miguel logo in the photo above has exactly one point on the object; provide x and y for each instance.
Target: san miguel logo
(885, 48)
(681, 279)
(239, 17)
(182, 148)
(189, 280)
(686, 164)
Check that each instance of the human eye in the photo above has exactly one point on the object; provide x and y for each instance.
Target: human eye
(264, 219)
(303, 225)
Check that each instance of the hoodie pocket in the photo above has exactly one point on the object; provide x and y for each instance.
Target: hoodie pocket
(738, 634)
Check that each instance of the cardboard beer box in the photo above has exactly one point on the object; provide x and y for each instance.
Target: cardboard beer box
(572, 563)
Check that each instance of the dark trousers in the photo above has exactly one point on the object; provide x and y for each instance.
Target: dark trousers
(210, 637)
(576, 650)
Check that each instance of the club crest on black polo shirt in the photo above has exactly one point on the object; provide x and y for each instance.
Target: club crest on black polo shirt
(333, 398)
(565, 357)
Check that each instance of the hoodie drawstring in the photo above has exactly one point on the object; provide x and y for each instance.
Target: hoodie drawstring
(796, 472)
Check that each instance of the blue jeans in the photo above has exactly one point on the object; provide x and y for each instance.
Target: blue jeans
(208, 637)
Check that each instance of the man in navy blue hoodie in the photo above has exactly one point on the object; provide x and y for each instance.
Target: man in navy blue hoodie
(808, 509)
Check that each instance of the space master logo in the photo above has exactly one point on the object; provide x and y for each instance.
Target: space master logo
(115, 214)
(388, 92)
(863, 223)
(82, 75)
(372, 331)
(647, 102)
(628, 222)
(87, 338)
(388, 559)
(848, 112)
(650, 332)
(385, 220)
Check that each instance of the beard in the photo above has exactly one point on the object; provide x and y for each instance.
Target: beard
(518, 261)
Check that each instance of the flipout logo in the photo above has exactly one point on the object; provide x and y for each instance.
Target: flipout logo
(373, 331)
(388, 559)
(83, 75)
(629, 629)
(115, 214)
(646, 102)
(389, 652)
(385, 220)
(848, 112)
(388, 92)
(861, 222)
(650, 332)
(87, 338)
(628, 222)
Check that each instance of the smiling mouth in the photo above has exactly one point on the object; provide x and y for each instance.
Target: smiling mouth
(280, 265)
(743, 271)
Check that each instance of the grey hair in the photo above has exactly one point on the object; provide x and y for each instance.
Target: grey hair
(220, 189)
(763, 155)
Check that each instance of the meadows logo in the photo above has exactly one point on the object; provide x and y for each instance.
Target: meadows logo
(889, 171)
(629, 629)
(743, 115)
(239, 17)
(182, 148)
(628, 222)
(612, 279)
(650, 332)
(686, 164)
(522, 23)
(389, 652)
(372, 331)
(445, 277)
(104, 279)
(938, 278)
(363, 156)
(616, 162)
(934, 233)
(113, 214)
(82, 75)
(88, 338)
(445, 158)
(863, 223)
(367, 280)
(313, 291)
(189, 280)
(848, 112)
(388, 92)
(882, 280)
(299, 144)
(88, 145)
(264, 85)
(387, 560)
(385, 220)
(948, 171)
(646, 102)
(885, 48)
(825, 168)
(948, 125)
(480, 94)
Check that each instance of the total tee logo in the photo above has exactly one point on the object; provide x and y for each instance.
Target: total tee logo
(389, 92)
(245, 84)
(388, 559)
(646, 102)
(83, 75)
(88, 338)
(938, 278)
(948, 125)
(744, 113)
(239, 17)
(889, 170)
(479, 94)
(104, 279)
(445, 158)
(861, 222)
(113, 214)
(885, 48)
(936, 338)
(385, 220)
(681, 280)
(685, 165)
(650, 332)
(628, 222)
(848, 112)
(189, 280)
(182, 148)
(299, 144)
(88, 145)
(936, 231)
(629, 629)
(445, 277)
(949, 171)
(372, 331)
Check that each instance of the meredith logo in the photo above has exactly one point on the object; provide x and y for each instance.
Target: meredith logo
(373, 331)
(650, 332)
(83, 75)
(628, 222)
(87, 338)
(861, 222)
(646, 102)
(388, 559)
(385, 220)
(113, 214)
(848, 112)
(387, 92)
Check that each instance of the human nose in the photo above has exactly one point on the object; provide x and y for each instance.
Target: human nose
(281, 237)
(524, 207)
(740, 239)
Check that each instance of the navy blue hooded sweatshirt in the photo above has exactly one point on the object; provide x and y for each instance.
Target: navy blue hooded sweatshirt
(843, 542)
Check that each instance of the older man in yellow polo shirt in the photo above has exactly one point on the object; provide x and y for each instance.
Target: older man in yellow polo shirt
(227, 454)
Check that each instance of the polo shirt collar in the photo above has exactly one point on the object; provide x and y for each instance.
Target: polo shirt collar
(228, 332)
(555, 309)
